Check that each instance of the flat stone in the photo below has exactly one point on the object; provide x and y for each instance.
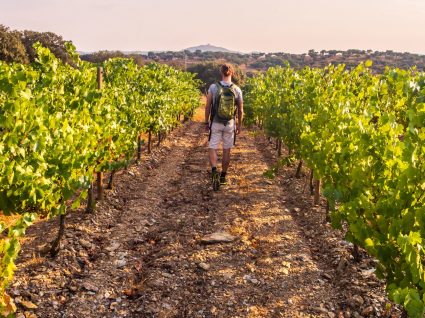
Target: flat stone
(368, 272)
(29, 305)
(114, 246)
(367, 311)
(121, 263)
(204, 266)
(356, 301)
(90, 287)
(218, 237)
(85, 243)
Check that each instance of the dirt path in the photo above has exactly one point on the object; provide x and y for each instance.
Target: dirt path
(142, 255)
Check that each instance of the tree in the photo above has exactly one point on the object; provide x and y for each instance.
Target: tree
(11, 46)
(209, 73)
(101, 56)
(55, 43)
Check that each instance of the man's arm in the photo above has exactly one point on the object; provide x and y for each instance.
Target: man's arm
(240, 116)
(208, 106)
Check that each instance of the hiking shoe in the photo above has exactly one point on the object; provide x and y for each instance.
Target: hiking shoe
(223, 180)
(216, 180)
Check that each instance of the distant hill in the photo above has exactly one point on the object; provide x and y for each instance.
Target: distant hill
(208, 48)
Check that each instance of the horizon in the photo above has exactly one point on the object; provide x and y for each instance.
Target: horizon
(159, 26)
(235, 52)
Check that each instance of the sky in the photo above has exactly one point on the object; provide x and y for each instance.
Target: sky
(294, 26)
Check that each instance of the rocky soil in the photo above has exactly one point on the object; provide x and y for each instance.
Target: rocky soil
(162, 244)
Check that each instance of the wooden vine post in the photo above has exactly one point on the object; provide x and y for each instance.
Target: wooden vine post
(90, 201)
(139, 147)
(298, 173)
(159, 138)
(99, 179)
(279, 147)
(91, 204)
(317, 192)
(311, 182)
(149, 141)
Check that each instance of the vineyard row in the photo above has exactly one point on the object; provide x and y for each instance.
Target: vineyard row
(363, 136)
(61, 124)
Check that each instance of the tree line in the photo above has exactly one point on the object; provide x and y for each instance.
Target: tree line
(17, 46)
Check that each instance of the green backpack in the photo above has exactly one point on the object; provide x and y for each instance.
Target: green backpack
(224, 103)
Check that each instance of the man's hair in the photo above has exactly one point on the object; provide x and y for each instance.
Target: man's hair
(226, 69)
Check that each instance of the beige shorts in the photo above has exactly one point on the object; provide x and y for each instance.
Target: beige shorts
(221, 133)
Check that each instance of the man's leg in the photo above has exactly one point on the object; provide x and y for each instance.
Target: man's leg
(215, 138)
(225, 165)
(213, 143)
(226, 160)
(228, 141)
(212, 154)
(215, 175)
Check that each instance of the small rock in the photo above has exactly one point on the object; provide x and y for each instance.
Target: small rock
(166, 306)
(167, 275)
(297, 210)
(204, 266)
(356, 315)
(83, 254)
(85, 243)
(250, 279)
(367, 273)
(342, 265)
(367, 311)
(327, 276)
(356, 301)
(73, 288)
(218, 237)
(321, 309)
(90, 287)
(114, 246)
(301, 257)
(121, 263)
(29, 305)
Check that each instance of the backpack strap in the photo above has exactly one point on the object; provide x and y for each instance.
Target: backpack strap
(215, 100)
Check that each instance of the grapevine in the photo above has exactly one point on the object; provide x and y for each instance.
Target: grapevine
(363, 135)
(57, 128)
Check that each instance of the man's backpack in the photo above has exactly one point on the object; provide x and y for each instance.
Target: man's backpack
(224, 104)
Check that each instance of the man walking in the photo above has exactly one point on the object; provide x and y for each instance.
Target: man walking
(224, 103)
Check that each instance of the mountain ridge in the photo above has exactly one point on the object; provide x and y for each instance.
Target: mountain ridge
(208, 48)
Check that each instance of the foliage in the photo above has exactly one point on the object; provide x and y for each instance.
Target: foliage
(57, 128)
(102, 56)
(16, 46)
(11, 46)
(364, 136)
(54, 42)
(209, 73)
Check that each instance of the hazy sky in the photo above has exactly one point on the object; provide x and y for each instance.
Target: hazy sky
(242, 25)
